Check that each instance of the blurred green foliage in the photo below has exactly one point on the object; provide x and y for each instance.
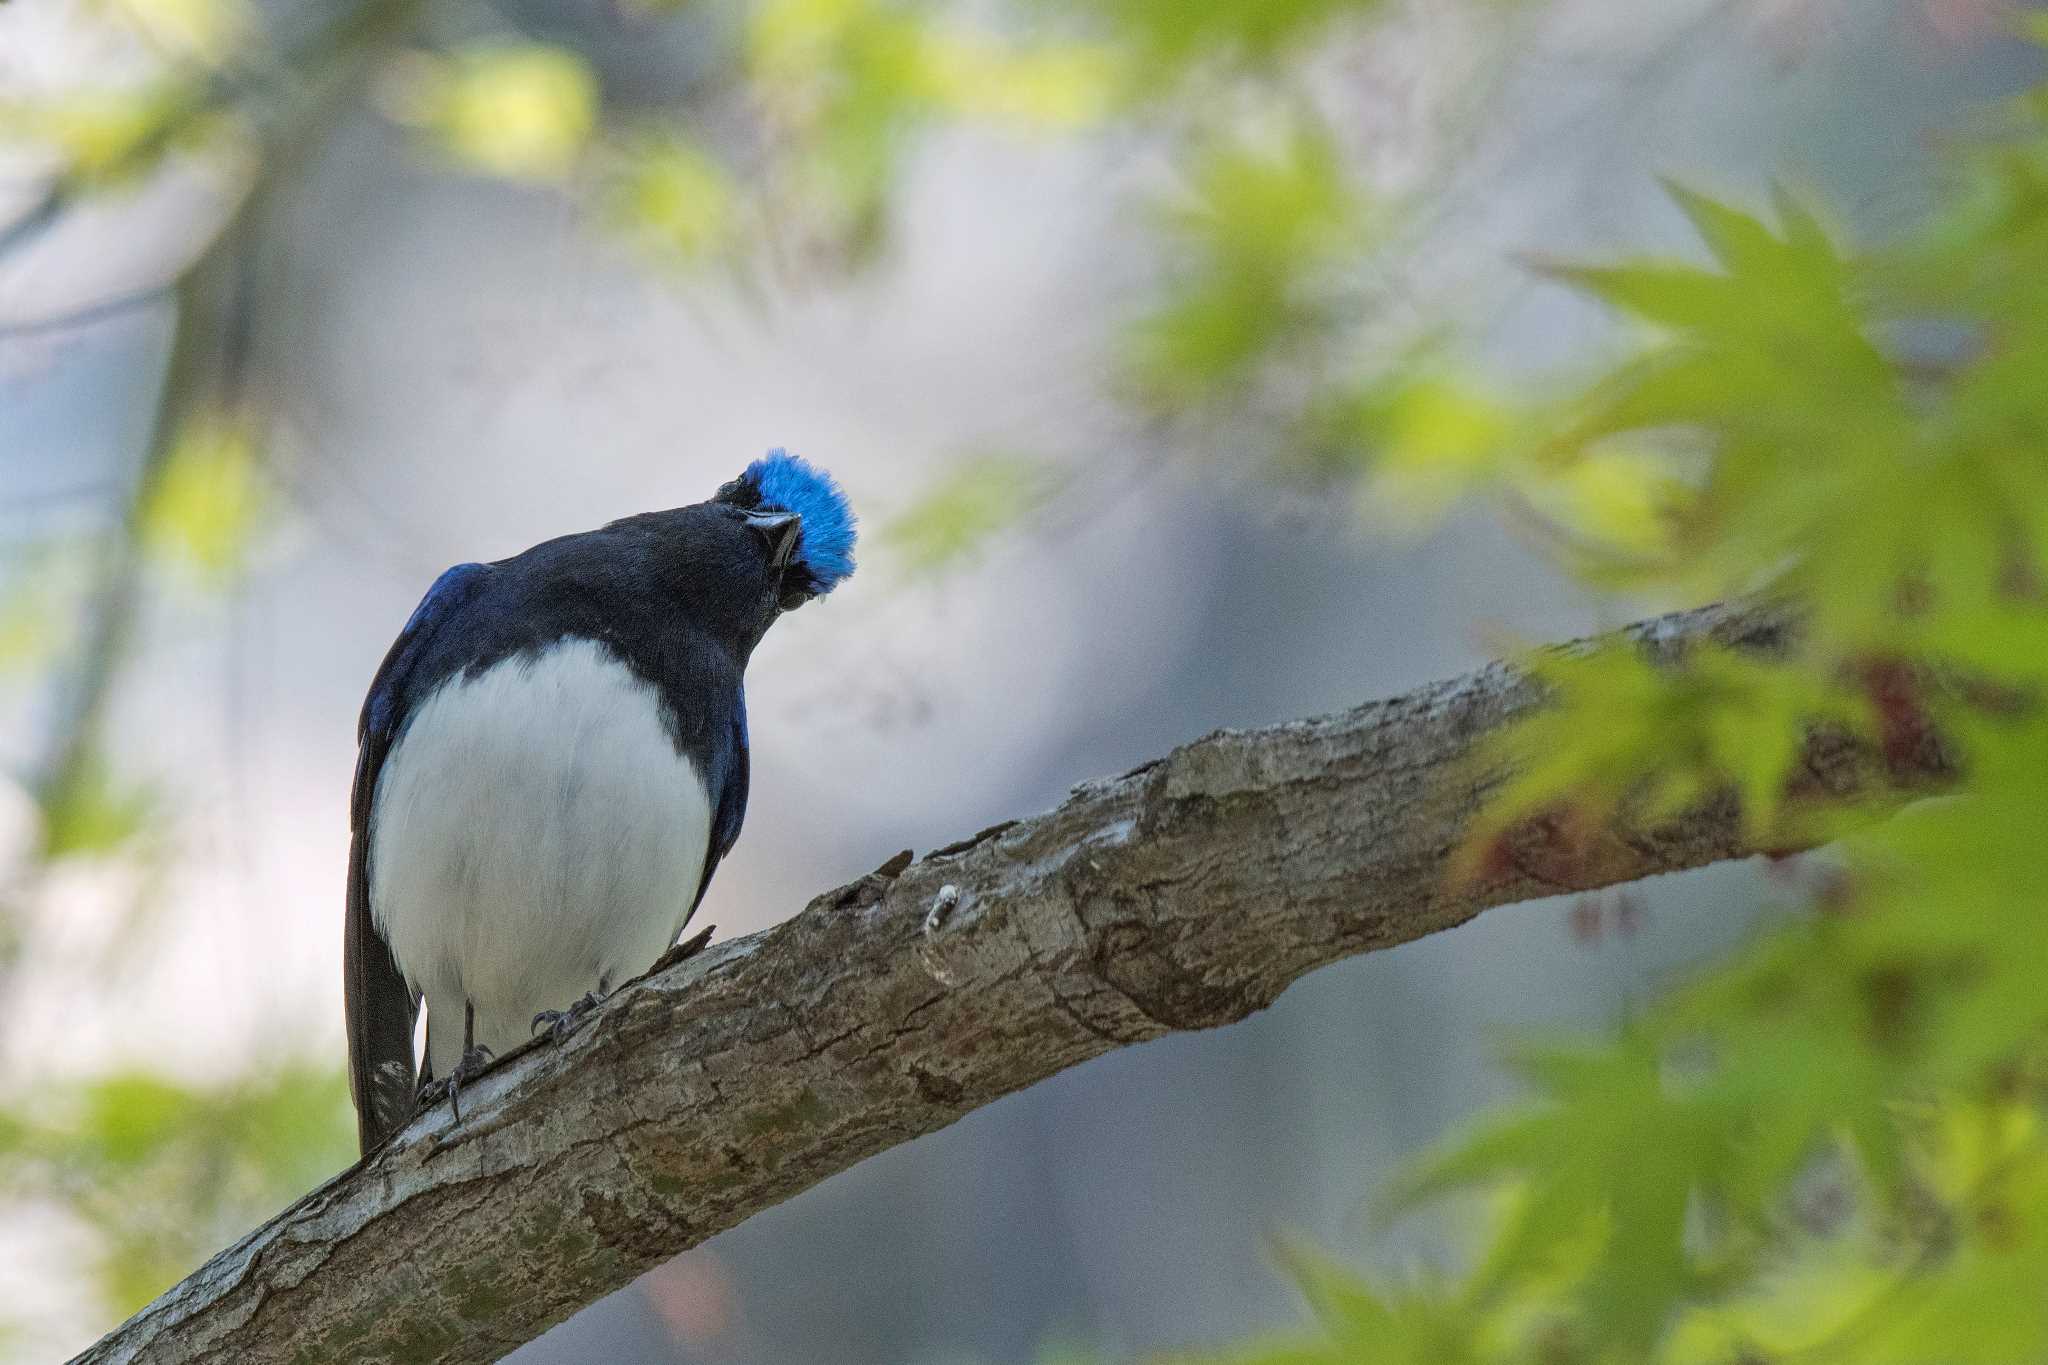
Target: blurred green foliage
(671, 196)
(844, 83)
(1262, 226)
(1725, 719)
(90, 812)
(200, 512)
(1831, 1146)
(206, 31)
(34, 624)
(964, 507)
(1168, 37)
(100, 135)
(163, 1173)
(524, 111)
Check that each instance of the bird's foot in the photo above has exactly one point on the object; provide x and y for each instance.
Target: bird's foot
(561, 1023)
(471, 1065)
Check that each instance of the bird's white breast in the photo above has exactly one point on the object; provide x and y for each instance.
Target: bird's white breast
(536, 836)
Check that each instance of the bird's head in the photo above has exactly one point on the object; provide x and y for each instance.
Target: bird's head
(804, 522)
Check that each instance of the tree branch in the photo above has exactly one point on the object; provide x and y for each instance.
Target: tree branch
(1185, 894)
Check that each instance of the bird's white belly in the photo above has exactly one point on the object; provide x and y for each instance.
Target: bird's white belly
(536, 836)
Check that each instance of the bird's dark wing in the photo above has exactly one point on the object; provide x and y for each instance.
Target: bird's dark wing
(381, 1006)
(727, 780)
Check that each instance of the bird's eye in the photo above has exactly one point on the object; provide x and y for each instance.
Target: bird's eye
(792, 598)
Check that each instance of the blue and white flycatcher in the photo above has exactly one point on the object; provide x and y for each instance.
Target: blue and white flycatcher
(553, 761)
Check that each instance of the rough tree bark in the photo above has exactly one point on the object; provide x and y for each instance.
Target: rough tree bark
(1184, 894)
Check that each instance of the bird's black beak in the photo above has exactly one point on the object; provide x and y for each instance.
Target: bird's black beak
(779, 532)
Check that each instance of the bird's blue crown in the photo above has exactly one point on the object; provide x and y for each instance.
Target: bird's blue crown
(824, 548)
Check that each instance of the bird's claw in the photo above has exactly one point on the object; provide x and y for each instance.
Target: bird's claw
(471, 1065)
(562, 1022)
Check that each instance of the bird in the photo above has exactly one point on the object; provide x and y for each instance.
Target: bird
(551, 763)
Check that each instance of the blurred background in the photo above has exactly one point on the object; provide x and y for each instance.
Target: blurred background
(1091, 308)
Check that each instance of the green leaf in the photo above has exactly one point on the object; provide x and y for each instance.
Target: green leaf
(1583, 1171)
(1620, 730)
